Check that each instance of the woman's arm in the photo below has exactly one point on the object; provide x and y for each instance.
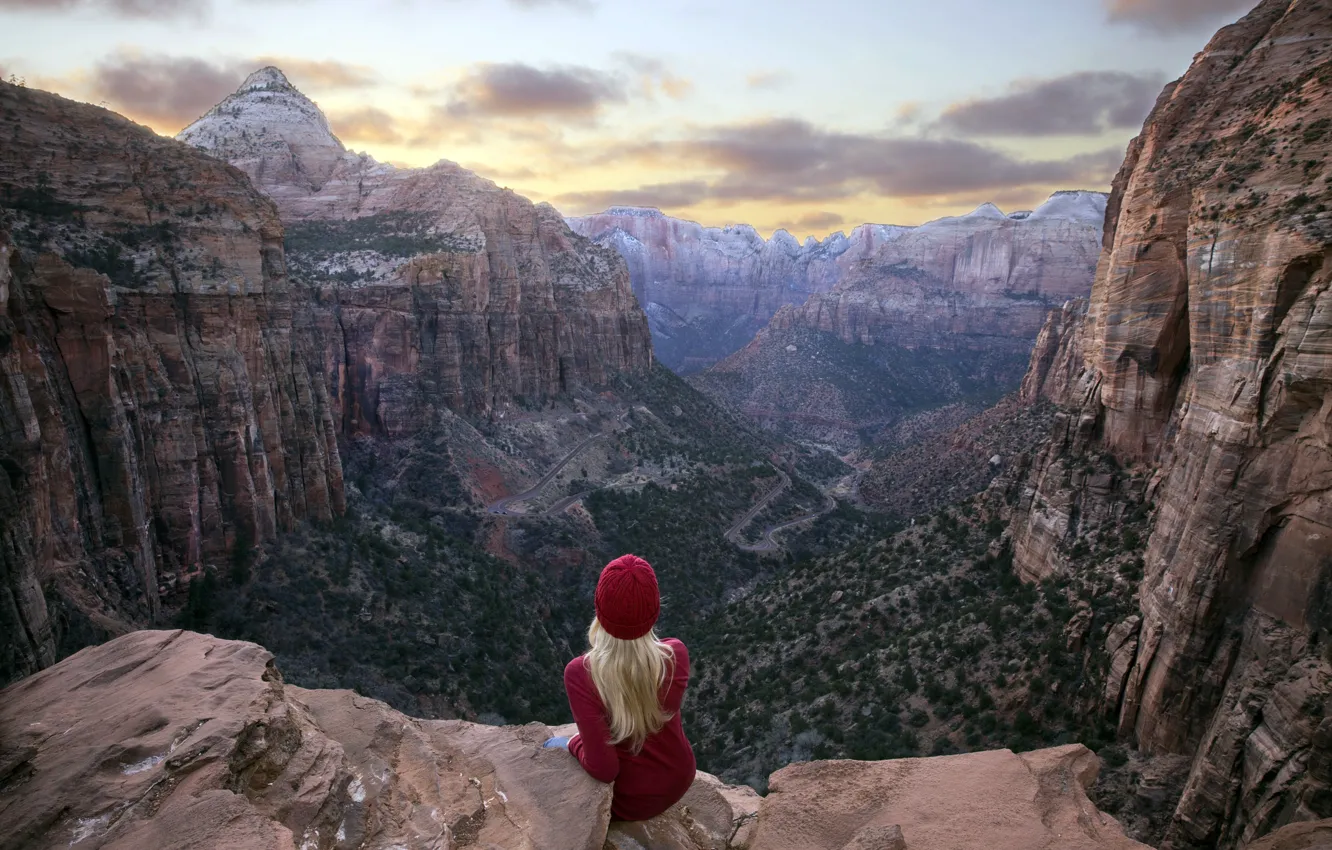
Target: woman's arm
(591, 746)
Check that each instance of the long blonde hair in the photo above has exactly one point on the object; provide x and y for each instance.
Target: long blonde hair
(629, 674)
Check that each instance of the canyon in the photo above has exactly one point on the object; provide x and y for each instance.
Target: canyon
(257, 384)
(708, 290)
(180, 389)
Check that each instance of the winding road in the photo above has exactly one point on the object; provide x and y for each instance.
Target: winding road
(500, 507)
(767, 543)
(733, 532)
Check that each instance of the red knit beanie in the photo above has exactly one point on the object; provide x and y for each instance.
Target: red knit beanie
(627, 599)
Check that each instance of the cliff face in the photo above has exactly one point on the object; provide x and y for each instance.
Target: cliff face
(708, 290)
(434, 287)
(1204, 355)
(939, 314)
(158, 409)
(981, 281)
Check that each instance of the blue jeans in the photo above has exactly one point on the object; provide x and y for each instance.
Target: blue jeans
(557, 741)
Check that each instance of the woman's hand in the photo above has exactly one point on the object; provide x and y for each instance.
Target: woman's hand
(557, 741)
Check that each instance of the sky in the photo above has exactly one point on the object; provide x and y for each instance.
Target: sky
(812, 117)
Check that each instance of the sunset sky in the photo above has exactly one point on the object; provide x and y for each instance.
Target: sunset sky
(809, 116)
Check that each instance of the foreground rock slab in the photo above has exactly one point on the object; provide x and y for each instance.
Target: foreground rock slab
(173, 740)
(994, 800)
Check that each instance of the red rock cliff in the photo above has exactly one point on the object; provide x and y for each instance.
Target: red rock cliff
(157, 407)
(435, 288)
(1205, 356)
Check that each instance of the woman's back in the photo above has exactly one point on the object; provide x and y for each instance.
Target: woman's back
(626, 693)
(650, 781)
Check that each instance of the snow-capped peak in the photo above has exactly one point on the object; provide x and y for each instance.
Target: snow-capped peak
(266, 78)
(1082, 206)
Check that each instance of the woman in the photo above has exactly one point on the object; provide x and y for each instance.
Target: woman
(625, 692)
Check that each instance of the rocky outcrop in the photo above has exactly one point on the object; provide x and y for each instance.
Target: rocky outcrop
(708, 290)
(175, 740)
(434, 288)
(159, 411)
(1311, 835)
(998, 800)
(1204, 360)
(1056, 358)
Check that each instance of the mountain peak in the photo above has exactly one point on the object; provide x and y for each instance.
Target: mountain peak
(270, 127)
(270, 77)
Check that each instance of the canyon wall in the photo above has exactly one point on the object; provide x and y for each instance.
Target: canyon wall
(938, 314)
(433, 287)
(158, 410)
(708, 290)
(1204, 359)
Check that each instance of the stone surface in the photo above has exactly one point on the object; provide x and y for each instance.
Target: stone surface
(178, 740)
(712, 816)
(1205, 362)
(989, 801)
(434, 287)
(160, 408)
(707, 290)
(1311, 835)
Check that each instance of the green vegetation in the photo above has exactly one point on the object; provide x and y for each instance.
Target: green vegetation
(404, 612)
(924, 642)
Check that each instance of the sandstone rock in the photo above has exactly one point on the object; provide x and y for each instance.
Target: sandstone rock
(174, 740)
(1311, 835)
(708, 290)
(992, 800)
(1203, 354)
(179, 740)
(436, 288)
(159, 407)
(940, 314)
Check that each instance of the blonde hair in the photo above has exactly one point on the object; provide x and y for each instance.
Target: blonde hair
(629, 674)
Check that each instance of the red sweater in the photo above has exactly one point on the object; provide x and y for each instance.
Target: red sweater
(651, 781)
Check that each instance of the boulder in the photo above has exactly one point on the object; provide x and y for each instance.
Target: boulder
(712, 816)
(174, 740)
(1310, 835)
(996, 800)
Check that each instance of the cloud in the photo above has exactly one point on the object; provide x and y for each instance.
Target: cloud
(821, 220)
(516, 89)
(1083, 103)
(1169, 17)
(684, 193)
(367, 124)
(788, 160)
(767, 80)
(654, 76)
(121, 8)
(162, 90)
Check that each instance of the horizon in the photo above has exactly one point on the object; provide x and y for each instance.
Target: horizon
(734, 115)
